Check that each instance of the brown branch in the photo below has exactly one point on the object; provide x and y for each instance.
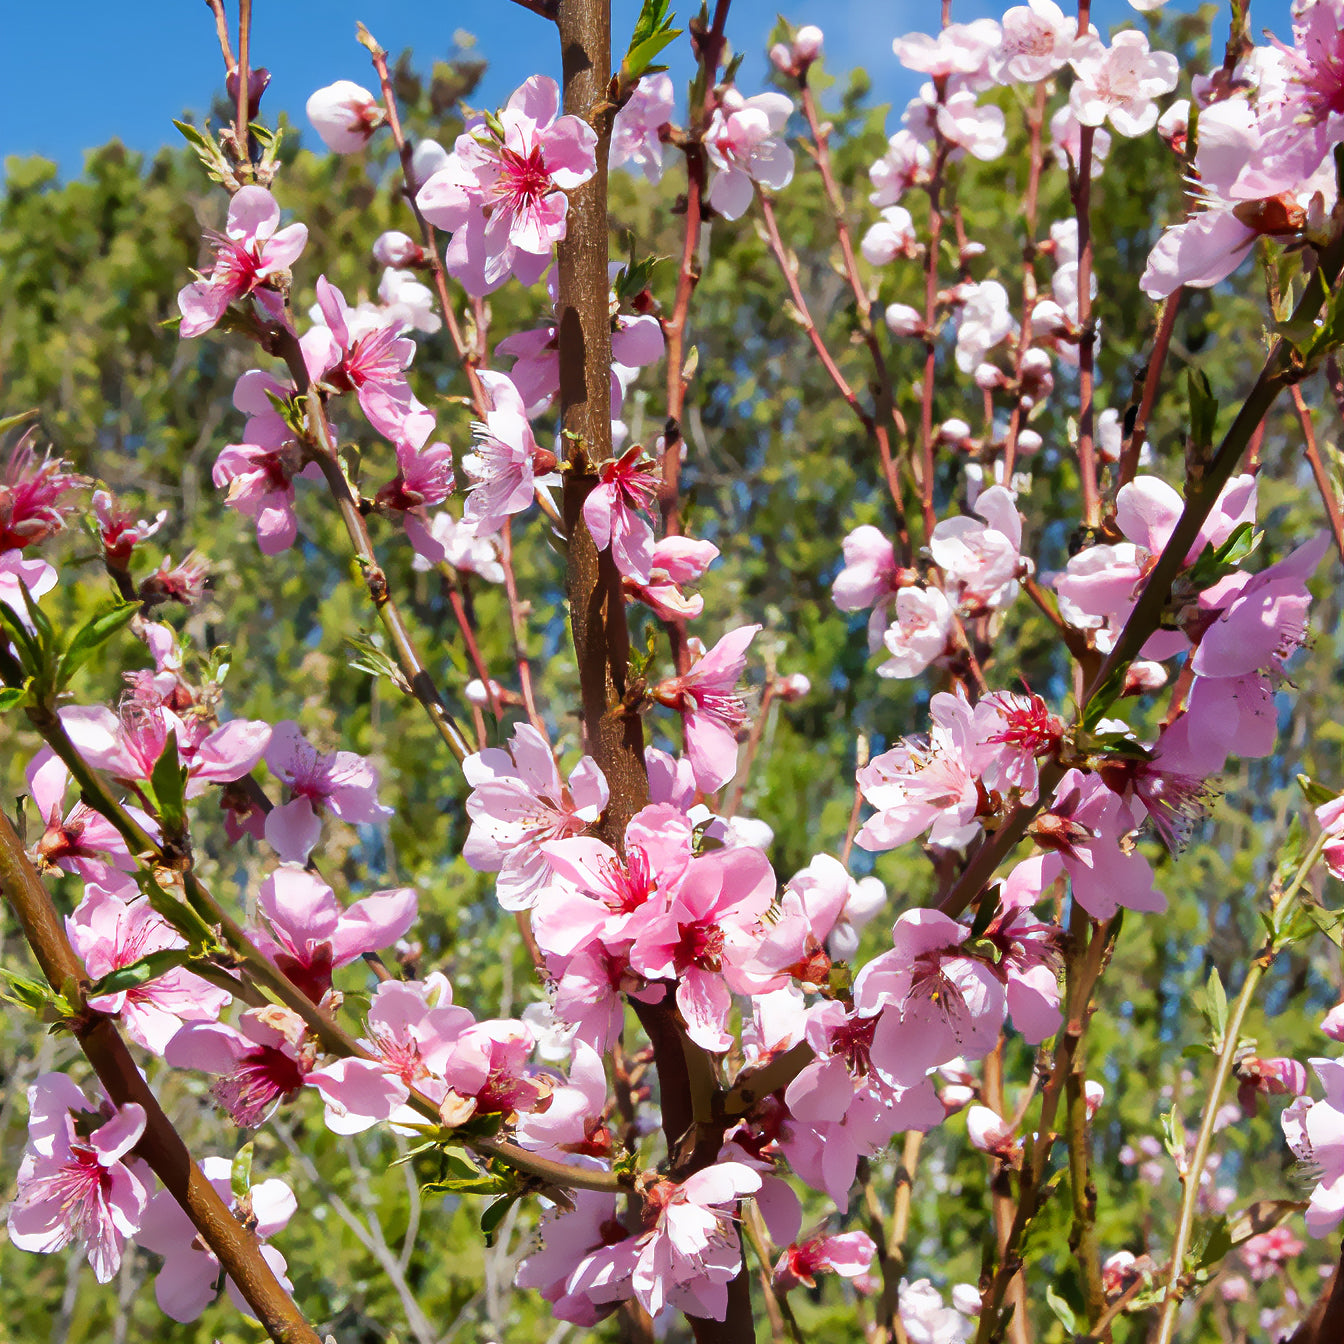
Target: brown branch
(1129, 456)
(1318, 471)
(237, 1250)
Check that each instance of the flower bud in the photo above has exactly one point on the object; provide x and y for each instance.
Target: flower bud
(903, 320)
(345, 116)
(807, 44)
(426, 160)
(398, 250)
(1144, 676)
(781, 58)
(1028, 442)
(793, 687)
(257, 81)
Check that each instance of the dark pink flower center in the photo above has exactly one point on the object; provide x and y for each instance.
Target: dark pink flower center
(261, 1078)
(523, 178)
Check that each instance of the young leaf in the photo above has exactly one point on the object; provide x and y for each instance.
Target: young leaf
(240, 1174)
(90, 637)
(168, 782)
(149, 967)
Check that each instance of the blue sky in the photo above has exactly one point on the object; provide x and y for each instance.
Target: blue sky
(77, 73)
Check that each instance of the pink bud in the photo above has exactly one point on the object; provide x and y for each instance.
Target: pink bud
(345, 116)
(793, 687)
(904, 320)
(398, 250)
(1333, 1025)
(781, 58)
(1093, 1095)
(991, 1133)
(807, 44)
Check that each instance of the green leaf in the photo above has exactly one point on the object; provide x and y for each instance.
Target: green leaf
(24, 641)
(179, 914)
(9, 421)
(1215, 1006)
(240, 1173)
(149, 967)
(653, 32)
(168, 782)
(1063, 1312)
(32, 994)
(11, 697)
(90, 637)
(493, 1215)
(635, 278)
(1203, 408)
(1315, 792)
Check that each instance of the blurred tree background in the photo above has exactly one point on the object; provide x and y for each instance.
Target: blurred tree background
(778, 471)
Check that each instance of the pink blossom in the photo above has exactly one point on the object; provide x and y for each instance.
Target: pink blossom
(81, 841)
(252, 255)
(976, 127)
(488, 1073)
(676, 560)
(921, 632)
(960, 49)
(1315, 1132)
(925, 785)
(458, 543)
(31, 497)
(1066, 141)
(309, 934)
(17, 576)
(870, 577)
(1087, 834)
(986, 321)
(345, 116)
(572, 1122)
(928, 1321)
(981, 560)
(73, 1184)
(893, 236)
(411, 1030)
(501, 193)
(109, 933)
(189, 1276)
(406, 301)
(1264, 1254)
(119, 529)
(635, 132)
(991, 1133)
(1022, 728)
(1118, 83)
(694, 1248)
(905, 164)
(744, 146)
(517, 802)
(936, 1001)
(501, 469)
(808, 910)
(340, 781)
(398, 250)
(1038, 39)
(712, 711)
(260, 1062)
(585, 1262)
(366, 353)
(848, 1254)
(707, 938)
(615, 512)
(1267, 1077)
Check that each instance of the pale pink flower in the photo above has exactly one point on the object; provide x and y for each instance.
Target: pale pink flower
(1266, 1253)
(73, 1186)
(676, 561)
(517, 802)
(308, 933)
(502, 467)
(501, 194)
(869, 577)
(920, 633)
(456, 542)
(252, 256)
(1066, 140)
(398, 250)
(712, 712)
(986, 321)
(587, 1256)
(1038, 39)
(1331, 818)
(341, 781)
(744, 146)
(109, 933)
(572, 1122)
(927, 785)
(935, 1001)
(1258, 1077)
(1315, 1132)
(976, 127)
(188, 1279)
(905, 164)
(406, 301)
(411, 1030)
(928, 1321)
(1118, 83)
(848, 1254)
(635, 135)
(991, 1133)
(1088, 835)
(960, 49)
(893, 236)
(616, 513)
(981, 560)
(708, 937)
(345, 116)
(694, 1248)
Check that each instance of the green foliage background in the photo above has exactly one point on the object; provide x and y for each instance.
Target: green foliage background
(778, 471)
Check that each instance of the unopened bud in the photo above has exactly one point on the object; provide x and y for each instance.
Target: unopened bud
(793, 687)
(257, 81)
(781, 58)
(1144, 676)
(398, 250)
(807, 44)
(903, 320)
(345, 116)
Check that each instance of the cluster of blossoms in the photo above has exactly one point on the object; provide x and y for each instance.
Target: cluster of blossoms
(679, 914)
